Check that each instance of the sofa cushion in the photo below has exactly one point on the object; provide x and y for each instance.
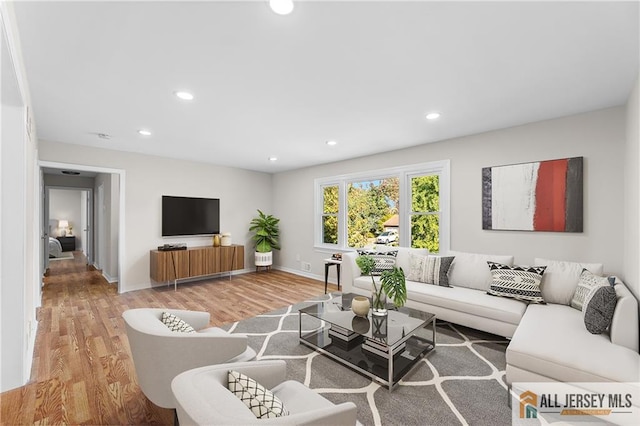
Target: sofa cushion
(586, 282)
(260, 400)
(599, 307)
(518, 282)
(383, 261)
(471, 301)
(470, 269)
(561, 278)
(402, 260)
(175, 323)
(429, 269)
(553, 342)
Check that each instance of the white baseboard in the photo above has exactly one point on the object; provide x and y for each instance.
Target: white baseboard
(304, 274)
(109, 279)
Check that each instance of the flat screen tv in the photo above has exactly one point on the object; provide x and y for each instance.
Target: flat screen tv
(190, 216)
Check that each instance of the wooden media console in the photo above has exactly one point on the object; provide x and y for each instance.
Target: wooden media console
(195, 262)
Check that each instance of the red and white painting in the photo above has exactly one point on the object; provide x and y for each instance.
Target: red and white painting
(539, 196)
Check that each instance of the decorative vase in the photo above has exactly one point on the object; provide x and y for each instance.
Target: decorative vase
(379, 299)
(360, 325)
(216, 240)
(379, 327)
(360, 306)
(225, 241)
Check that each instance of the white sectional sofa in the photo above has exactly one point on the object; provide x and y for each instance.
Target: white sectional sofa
(549, 342)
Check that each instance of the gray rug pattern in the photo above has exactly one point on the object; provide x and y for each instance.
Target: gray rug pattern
(462, 381)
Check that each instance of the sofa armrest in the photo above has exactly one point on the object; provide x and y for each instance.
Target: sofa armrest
(349, 270)
(624, 326)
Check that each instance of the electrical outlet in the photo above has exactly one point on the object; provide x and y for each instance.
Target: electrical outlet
(305, 266)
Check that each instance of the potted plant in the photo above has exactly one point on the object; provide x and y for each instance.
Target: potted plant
(392, 284)
(265, 236)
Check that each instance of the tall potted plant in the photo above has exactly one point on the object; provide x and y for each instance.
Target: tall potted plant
(265, 236)
(392, 284)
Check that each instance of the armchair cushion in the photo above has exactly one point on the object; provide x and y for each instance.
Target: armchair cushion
(175, 323)
(260, 400)
(202, 398)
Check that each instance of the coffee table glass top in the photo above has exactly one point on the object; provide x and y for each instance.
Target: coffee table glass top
(395, 327)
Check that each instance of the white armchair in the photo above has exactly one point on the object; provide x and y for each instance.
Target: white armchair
(202, 398)
(160, 354)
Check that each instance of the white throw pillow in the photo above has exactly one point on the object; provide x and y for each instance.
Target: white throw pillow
(472, 271)
(402, 260)
(176, 324)
(260, 400)
(560, 279)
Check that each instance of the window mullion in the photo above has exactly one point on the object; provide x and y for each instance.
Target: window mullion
(342, 214)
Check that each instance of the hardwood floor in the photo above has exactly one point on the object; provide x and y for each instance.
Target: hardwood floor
(82, 369)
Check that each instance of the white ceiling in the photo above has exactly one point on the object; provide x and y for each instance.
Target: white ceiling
(361, 73)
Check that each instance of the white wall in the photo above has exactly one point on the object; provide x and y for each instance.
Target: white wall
(66, 204)
(19, 224)
(110, 183)
(241, 192)
(597, 136)
(631, 271)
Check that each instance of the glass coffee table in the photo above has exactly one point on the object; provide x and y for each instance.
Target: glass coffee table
(384, 348)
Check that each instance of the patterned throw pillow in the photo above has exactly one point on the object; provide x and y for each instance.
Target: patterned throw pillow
(176, 324)
(260, 400)
(586, 282)
(518, 282)
(383, 260)
(598, 308)
(430, 269)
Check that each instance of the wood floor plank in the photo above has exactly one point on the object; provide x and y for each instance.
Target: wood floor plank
(82, 370)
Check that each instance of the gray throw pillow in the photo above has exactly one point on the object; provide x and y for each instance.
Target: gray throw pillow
(598, 308)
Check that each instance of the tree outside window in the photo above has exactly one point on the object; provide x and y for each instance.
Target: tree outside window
(330, 215)
(425, 212)
(370, 203)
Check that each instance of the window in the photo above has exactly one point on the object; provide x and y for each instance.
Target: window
(370, 204)
(405, 206)
(425, 212)
(330, 214)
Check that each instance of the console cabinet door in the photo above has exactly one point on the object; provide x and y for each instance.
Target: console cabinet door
(193, 262)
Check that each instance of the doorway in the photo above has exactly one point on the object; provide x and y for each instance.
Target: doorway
(97, 187)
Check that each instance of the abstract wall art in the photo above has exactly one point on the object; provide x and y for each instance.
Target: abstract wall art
(538, 196)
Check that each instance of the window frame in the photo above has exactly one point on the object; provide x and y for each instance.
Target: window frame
(404, 175)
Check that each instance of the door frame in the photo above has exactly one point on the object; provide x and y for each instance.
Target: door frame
(89, 217)
(121, 216)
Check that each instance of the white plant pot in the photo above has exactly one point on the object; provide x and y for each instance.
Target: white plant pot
(264, 259)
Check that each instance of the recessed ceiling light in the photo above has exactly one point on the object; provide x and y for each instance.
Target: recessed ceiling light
(433, 115)
(186, 96)
(281, 7)
(144, 132)
(332, 143)
(273, 158)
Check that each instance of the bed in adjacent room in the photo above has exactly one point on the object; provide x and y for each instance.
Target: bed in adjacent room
(55, 248)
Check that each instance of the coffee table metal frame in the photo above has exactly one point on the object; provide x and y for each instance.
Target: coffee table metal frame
(320, 340)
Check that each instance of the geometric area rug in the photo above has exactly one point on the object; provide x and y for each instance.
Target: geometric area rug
(462, 381)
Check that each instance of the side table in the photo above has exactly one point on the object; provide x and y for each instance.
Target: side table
(327, 263)
(68, 243)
